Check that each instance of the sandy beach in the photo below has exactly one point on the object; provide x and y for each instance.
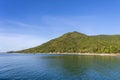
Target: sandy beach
(99, 54)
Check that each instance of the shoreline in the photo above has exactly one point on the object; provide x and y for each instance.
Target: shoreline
(94, 54)
(89, 54)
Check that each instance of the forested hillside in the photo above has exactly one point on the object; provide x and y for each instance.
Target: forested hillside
(75, 42)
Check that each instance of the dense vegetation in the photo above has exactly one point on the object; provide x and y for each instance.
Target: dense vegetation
(75, 42)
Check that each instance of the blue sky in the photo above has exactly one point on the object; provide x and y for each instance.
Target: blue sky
(28, 23)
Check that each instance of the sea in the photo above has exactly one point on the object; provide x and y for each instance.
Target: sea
(16, 66)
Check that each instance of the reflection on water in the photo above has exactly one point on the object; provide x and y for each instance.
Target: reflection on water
(59, 67)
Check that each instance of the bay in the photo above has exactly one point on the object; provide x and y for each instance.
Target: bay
(58, 67)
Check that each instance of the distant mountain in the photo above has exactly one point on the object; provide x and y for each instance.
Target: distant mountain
(75, 42)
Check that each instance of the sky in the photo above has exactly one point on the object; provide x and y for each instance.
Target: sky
(29, 23)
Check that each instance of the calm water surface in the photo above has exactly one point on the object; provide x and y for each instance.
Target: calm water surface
(58, 67)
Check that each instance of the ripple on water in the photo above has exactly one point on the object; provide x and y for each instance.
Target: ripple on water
(59, 67)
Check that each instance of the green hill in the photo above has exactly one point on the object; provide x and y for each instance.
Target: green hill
(75, 42)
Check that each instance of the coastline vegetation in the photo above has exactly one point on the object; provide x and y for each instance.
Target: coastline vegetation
(75, 42)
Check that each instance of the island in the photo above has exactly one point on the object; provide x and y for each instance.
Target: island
(76, 42)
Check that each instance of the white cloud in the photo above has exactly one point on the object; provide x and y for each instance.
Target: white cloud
(17, 26)
(18, 23)
(11, 42)
(15, 35)
(21, 24)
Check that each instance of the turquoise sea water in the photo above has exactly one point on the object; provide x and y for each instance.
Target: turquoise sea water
(58, 67)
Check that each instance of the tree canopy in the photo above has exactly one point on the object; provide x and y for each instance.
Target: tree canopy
(75, 42)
